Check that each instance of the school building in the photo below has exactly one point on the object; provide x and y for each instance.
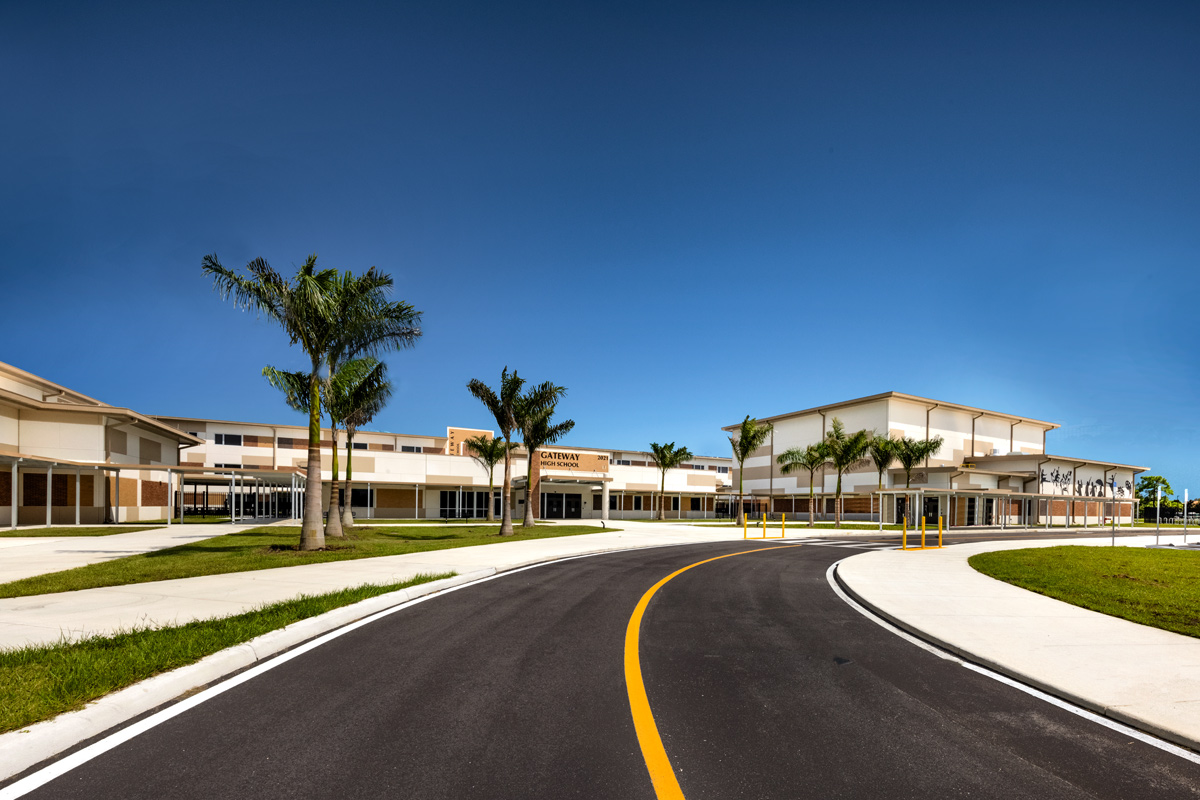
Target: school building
(406, 476)
(993, 469)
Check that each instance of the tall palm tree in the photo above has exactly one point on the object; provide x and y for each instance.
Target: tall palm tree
(911, 452)
(533, 414)
(666, 456)
(352, 396)
(883, 454)
(488, 452)
(750, 436)
(810, 458)
(846, 451)
(502, 403)
(326, 313)
(364, 400)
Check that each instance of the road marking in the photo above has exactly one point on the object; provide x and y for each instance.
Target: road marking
(1079, 711)
(74, 758)
(662, 775)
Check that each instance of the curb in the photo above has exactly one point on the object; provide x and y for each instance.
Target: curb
(1111, 712)
(42, 741)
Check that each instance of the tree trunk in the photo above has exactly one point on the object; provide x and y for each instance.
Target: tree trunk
(506, 528)
(837, 504)
(741, 510)
(312, 537)
(348, 506)
(811, 500)
(333, 520)
(530, 499)
(491, 513)
(662, 497)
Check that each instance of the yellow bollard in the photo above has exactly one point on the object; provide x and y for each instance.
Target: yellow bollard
(904, 534)
(783, 525)
(744, 534)
(939, 531)
(922, 533)
(764, 525)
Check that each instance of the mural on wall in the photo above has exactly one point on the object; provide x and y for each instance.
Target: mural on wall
(1062, 481)
(1059, 479)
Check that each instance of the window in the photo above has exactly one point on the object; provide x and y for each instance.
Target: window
(408, 448)
(234, 439)
(360, 498)
(723, 470)
(675, 503)
(622, 462)
(228, 466)
(360, 445)
(612, 502)
(637, 502)
(695, 504)
(195, 433)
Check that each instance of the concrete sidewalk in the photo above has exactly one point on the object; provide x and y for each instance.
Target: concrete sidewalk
(26, 556)
(43, 619)
(1146, 677)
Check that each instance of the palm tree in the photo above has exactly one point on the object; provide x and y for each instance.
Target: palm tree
(667, 457)
(502, 404)
(846, 451)
(810, 458)
(488, 452)
(366, 399)
(911, 452)
(326, 313)
(533, 412)
(883, 454)
(750, 437)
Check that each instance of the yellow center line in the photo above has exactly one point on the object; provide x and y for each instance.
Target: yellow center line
(662, 775)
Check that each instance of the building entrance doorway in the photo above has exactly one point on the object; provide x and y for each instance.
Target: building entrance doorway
(562, 506)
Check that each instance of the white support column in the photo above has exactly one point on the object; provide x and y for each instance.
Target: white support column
(49, 493)
(170, 497)
(232, 510)
(371, 502)
(77, 484)
(117, 510)
(13, 485)
(182, 496)
(604, 500)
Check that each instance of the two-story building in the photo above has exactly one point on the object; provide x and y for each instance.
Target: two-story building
(66, 458)
(405, 476)
(993, 468)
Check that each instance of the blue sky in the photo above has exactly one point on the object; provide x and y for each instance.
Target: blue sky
(683, 212)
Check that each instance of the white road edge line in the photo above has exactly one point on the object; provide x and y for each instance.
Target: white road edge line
(61, 767)
(1078, 711)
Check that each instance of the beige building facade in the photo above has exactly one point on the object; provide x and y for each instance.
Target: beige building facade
(67, 458)
(993, 468)
(416, 476)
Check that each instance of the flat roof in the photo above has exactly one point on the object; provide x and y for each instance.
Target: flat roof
(902, 396)
(420, 435)
(1051, 457)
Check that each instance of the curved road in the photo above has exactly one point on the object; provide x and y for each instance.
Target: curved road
(762, 683)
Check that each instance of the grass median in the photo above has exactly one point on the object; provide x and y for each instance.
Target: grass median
(1158, 587)
(37, 683)
(267, 548)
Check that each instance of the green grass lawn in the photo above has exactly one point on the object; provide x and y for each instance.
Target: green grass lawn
(38, 683)
(266, 548)
(1153, 587)
(71, 530)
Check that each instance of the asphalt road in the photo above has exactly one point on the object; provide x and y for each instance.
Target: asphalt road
(763, 684)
